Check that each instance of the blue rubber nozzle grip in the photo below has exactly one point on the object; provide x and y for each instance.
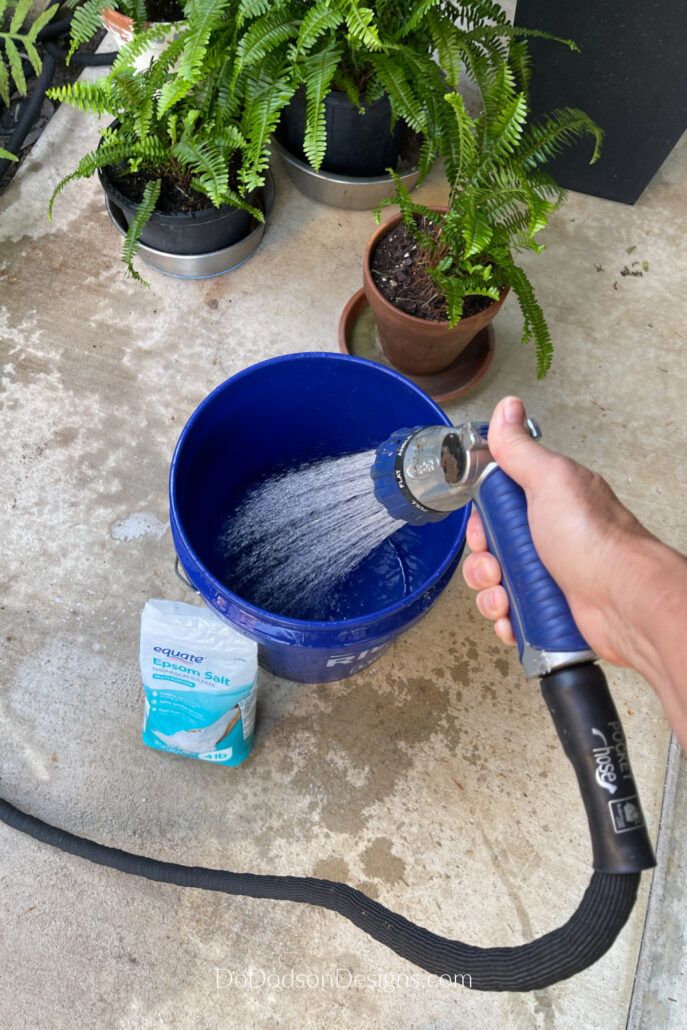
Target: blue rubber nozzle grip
(539, 612)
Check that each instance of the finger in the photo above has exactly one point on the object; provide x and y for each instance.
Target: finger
(493, 603)
(511, 444)
(481, 570)
(474, 534)
(504, 631)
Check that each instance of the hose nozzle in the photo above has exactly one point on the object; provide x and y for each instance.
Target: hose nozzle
(424, 474)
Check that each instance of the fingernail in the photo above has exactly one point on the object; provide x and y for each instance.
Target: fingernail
(515, 411)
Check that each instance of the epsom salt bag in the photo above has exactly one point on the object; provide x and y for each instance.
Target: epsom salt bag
(200, 683)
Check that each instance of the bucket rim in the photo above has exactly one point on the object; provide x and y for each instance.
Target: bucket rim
(254, 612)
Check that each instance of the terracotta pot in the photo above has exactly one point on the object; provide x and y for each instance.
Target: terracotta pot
(122, 28)
(419, 346)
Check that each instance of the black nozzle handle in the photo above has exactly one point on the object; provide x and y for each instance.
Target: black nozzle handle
(592, 736)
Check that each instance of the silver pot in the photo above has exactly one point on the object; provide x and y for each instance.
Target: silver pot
(343, 191)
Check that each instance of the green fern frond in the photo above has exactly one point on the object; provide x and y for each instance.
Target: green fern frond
(476, 229)
(562, 127)
(207, 17)
(61, 185)
(167, 60)
(455, 290)
(410, 210)
(15, 63)
(109, 153)
(479, 12)
(360, 24)
(19, 16)
(16, 37)
(174, 90)
(316, 22)
(521, 63)
(486, 33)
(420, 13)
(136, 10)
(463, 153)
(208, 165)
(318, 71)
(428, 153)
(248, 9)
(86, 21)
(447, 43)
(264, 36)
(233, 198)
(497, 89)
(136, 226)
(508, 127)
(266, 95)
(4, 83)
(89, 97)
(402, 95)
(41, 21)
(33, 56)
(135, 48)
(535, 328)
(5, 155)
(230, 138)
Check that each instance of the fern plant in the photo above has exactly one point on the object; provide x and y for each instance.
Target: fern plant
(380, 47)
(500, 199)
(176, 120)
(18, 41)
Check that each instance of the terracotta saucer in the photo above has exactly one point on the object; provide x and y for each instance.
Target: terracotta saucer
(358, 336)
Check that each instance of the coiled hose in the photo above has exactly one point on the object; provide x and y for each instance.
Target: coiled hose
(32, 107)
(587, 935)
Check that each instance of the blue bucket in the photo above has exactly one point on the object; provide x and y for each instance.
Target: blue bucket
(303, 407)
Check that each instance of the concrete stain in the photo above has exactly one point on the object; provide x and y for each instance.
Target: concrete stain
(380, 863)
(333, 868)
(362, 728)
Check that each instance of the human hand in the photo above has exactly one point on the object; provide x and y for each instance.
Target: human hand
(583, 534)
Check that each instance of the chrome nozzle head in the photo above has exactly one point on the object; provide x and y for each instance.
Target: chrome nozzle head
(419, 473)
(442, 465)
(422, 475)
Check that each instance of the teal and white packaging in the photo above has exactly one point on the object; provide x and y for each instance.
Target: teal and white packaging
(200, 679)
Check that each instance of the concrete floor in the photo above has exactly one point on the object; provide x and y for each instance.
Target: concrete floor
(446, 795)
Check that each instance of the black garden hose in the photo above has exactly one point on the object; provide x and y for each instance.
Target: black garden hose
(31, 109)
(587, 935)
(54, 29)
(577, 698)
(82, 60)
(29, 112)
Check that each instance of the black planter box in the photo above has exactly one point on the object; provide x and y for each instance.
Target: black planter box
(630, 77)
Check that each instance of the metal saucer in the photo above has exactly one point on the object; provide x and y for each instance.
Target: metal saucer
(202, 266)
(343, 191)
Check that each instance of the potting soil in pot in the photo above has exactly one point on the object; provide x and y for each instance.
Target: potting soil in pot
(296, 543)
(184, 221)
(400, 270)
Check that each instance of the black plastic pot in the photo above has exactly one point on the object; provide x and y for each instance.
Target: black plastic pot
(192, 232)
(357, 144)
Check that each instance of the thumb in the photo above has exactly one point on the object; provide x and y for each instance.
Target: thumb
(510, 441)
